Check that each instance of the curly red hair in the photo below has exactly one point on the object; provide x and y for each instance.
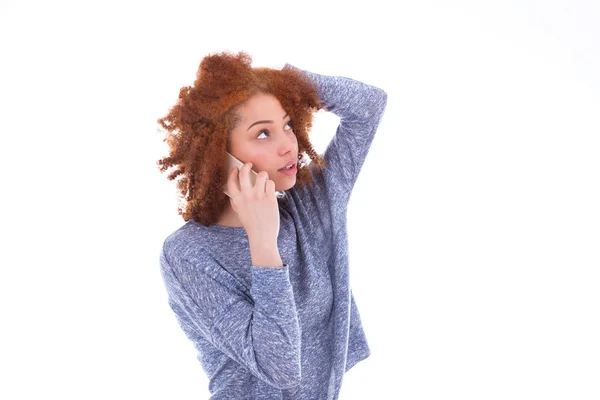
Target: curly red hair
(199, 127)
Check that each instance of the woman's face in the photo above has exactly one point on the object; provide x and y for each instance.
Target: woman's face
(265, 137)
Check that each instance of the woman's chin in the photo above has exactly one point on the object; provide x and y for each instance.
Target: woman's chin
(286, 185)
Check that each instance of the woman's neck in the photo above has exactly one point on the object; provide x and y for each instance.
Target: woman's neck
(229, 217)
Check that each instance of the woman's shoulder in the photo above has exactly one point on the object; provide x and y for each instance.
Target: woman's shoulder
(193, 237)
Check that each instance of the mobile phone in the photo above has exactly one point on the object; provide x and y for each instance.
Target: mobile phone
(233, 162)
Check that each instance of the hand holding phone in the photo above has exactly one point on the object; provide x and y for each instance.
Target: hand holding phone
(253, 199)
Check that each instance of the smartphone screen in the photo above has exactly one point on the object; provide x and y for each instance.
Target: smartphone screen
(235, 163)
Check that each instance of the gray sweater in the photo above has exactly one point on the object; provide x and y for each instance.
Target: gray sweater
(289, 332)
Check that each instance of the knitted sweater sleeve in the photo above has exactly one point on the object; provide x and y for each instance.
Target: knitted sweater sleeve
(259, 331)
(360, 107)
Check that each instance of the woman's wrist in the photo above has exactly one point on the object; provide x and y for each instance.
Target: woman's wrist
(265, 254)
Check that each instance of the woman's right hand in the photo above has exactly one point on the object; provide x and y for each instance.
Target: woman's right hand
(256, 206)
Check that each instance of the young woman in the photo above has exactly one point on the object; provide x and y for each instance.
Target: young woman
(259, 282)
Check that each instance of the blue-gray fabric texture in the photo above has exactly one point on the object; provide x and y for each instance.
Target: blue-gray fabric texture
(291, 332)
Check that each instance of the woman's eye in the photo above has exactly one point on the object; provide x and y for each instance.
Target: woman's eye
(266, 132)
(261, 132)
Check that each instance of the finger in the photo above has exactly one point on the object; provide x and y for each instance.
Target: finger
(270, 188)
(259, 184)
(232, 182)
(244, 175)
(233, 204)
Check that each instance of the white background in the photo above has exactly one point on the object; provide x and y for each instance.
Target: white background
(474, 227)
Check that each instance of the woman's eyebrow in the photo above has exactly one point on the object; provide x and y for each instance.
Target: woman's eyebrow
(265, 122)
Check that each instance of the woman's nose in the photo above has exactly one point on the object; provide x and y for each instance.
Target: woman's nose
(287, 142)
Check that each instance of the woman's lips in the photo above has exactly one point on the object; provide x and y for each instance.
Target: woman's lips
(290, 171)
(287, 165)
